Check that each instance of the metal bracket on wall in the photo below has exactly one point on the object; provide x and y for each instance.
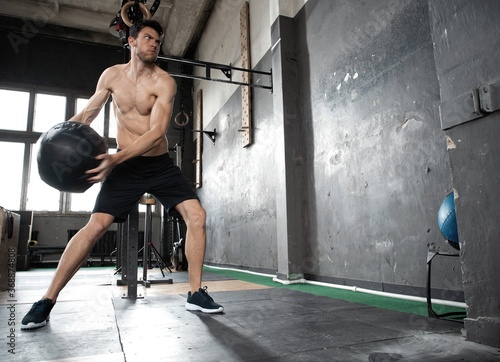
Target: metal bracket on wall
(469, 106)
(210, 134)
(227, 70)
(489, 97)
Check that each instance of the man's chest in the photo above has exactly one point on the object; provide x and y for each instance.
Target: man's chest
(133, 98)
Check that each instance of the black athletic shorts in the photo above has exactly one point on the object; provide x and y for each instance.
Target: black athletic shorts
(128, 181)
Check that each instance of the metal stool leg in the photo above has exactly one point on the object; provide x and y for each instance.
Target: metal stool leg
(131, 236)
(148, 232)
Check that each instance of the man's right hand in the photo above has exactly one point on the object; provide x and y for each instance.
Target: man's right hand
(100, 172)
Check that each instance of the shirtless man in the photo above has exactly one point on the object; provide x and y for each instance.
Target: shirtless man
(143, 96)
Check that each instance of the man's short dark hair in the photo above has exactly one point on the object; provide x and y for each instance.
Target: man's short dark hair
(138, 25)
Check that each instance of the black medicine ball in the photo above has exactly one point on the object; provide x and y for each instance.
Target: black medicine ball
(67, 151)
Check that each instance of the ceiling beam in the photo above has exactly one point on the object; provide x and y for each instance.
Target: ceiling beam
(89, 20)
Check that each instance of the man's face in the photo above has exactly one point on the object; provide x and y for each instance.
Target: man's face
(147, 45)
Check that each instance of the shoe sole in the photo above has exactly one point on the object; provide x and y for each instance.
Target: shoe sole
(33, 325)
(194, 307)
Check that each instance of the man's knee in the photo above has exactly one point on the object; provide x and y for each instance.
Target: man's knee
(194, 214)
(198, 217)
(99, 224)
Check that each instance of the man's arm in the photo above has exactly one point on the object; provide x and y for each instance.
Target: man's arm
(97, 101)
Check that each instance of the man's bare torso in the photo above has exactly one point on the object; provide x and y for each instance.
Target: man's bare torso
(133, 101)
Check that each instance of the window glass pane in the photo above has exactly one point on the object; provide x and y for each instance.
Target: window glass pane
(143, 208)
(11, 164)
(14, 110)
(49, 110)
(85, 201)
(98, 122)
(41, 197)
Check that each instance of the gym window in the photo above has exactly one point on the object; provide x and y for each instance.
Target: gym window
(24, 115)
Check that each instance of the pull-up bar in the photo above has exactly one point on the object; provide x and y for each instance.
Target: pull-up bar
(227, 70)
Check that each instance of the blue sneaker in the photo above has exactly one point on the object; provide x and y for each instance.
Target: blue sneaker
(39, 314)
(201, 301)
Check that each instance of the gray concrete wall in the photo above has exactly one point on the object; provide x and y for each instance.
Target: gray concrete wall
(375, 156)
(377, 162)
(239, 187)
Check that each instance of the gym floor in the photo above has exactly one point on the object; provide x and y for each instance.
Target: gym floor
(93, 322)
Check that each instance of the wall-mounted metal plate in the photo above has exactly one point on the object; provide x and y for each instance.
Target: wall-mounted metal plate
(469, 106)
(461, 109)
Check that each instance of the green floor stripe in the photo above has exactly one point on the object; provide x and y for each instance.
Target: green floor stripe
(396, 304)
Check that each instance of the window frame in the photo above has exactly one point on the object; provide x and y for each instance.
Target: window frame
(28, 137)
